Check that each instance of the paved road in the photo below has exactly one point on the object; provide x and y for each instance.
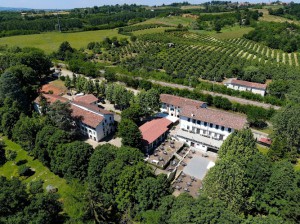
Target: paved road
(231, 98)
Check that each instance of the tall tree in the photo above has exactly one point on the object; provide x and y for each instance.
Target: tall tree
(71, 160)
(130, 134)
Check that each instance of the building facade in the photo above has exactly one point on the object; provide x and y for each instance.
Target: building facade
(241, 85)
(172, 105)
(93, 122)
(206, 129)
(200, 127)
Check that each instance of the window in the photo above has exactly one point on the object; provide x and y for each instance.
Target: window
(189, 119)
(211, 125)
(229, 130)
(221, 137)
(205, 124)
(198, 130)
(204, 132)
(198, 122)
(222, 128)
(217, 126)
(194, 121)
(188, 127)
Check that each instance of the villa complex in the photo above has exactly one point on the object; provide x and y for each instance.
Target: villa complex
(94, 122)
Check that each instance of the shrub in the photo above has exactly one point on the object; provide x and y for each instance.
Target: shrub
(10, 155)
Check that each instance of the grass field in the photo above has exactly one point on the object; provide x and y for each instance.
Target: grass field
(50, 41)
(227, 32)
(71, 194)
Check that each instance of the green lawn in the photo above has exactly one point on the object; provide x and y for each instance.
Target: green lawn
(71, 194)
(264, 150)
(227, 32)
(50, 41)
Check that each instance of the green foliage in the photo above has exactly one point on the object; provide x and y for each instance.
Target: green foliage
(25, 131)
(24, 170)
(286, 124)
(36, 187)
(134, 113)
(13, 196)
(149, 101)
(128, 183)
(60, 115)
(3, 156)
(282, 36)
(10, 155)
(71, 160)
(118, 95)
(130, 134)
(240, 145)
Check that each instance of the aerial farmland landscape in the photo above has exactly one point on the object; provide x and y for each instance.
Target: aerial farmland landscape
(155, 112)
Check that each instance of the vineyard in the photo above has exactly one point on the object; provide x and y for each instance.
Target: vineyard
(202, 56)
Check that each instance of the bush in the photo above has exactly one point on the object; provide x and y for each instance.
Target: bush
(10, 155)
(36, 187)
(62, 78)
(24, 170)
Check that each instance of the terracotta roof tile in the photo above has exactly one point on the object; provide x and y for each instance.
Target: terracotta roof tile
(88, 99)
(180, 101)
(87, 117)
(92, 107)
(49, 87)
(51, 98)
(152, 130)
(249, 84)
(218, 117)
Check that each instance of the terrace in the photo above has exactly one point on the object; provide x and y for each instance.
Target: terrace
(164, 153)
(188, 184)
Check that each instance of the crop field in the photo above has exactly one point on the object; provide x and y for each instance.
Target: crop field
(170, 21)
(227, 32)
(50, 41)
(271, 18)
(71, 193)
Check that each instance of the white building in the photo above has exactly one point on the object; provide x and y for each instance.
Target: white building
(201, 127)
(94, 122)
(241, 85)
(204, 128)
(172, 105)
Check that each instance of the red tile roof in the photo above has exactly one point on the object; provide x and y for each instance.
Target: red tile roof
(51, 98)
(266, 141)
(89, 118)
(152, 130)
(179, 101)
(88, 99)
(249, 84)
(50, 87)
(229, 120)
(92, 107)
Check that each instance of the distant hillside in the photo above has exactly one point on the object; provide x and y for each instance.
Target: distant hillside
(13, 9)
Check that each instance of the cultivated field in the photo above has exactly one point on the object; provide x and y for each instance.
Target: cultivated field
(50, 41)
(170, 21)
(227, 32)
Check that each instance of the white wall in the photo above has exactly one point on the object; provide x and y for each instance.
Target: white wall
(244, 88)
(215, 132)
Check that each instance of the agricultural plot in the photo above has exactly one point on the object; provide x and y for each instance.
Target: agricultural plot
(200, 56)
